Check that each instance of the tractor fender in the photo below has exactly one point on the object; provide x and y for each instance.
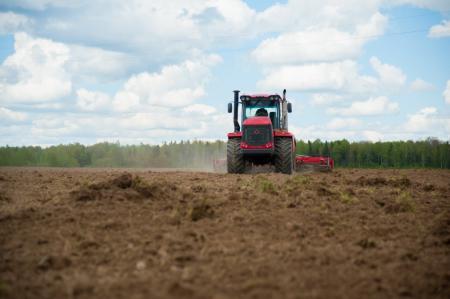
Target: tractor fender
(234, 135)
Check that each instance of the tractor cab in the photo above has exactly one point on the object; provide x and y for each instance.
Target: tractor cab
(260, 106)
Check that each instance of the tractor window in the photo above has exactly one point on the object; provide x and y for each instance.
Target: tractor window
(251, 111)
(253, 105)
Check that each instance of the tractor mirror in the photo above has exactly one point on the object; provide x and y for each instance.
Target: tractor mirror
(289, 107)
(230, 108)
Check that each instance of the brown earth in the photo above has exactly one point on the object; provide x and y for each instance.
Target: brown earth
(100, 233)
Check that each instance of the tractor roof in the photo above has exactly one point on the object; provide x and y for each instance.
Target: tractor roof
(246, 97)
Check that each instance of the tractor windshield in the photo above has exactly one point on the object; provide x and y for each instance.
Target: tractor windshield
(253, 107)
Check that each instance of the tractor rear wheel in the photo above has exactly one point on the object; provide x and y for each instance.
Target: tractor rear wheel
(235, 158)
(284, 155)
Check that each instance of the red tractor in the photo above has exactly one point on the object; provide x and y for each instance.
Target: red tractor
(264, 138)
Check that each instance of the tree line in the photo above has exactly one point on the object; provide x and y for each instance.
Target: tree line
(429, 153)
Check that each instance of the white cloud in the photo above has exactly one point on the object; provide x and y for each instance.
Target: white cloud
(200, 109)
(440, 30)
(174, 86)
(35, 72)
(149, 127)
(343, 123)
(390, 76)
(125, 101)
(320, 99)
(295, 14)
(313, 132)
(92, 101)
(372, 135)
(421, 85)
(341, 76)
(41, 70)
(422, 121)
(311, 45)
(169, 30)
(11, 22)
(428, 122)
(97, 65)
(446, 93)
(336, 76)
(8, 115)
(150, 107)
(373, 106)
(318, 44)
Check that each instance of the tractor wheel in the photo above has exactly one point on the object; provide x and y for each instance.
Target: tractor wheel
(284, 155)
(235, 159)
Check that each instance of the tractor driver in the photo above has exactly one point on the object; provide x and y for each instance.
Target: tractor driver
(261, 112)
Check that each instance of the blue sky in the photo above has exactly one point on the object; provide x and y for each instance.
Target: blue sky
(153, 71)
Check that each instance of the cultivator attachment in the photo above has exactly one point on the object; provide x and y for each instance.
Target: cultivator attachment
(313, 163)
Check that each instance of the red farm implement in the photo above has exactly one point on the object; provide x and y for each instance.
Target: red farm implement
(314, 163)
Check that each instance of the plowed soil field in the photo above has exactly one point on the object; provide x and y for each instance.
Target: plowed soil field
(114, 233)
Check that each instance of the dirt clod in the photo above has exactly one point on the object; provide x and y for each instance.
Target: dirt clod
(402, 203)
(429, 187)
(200, 210)
(324, 191)
(123, 181)
(122, 187)
(53, 262)
(366, 243)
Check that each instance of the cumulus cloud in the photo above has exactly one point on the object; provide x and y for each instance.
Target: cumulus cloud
(428, 122)
(313, 132)
(373, 106)
(390, 76)
(125, 101)
(132, 128)
(372, 135)
(41, 70)
(170, 31)
(341, 76)
(318, 44)
(200, 109)
(149, 107)
(35, 72)
(440, 30)
(11, 22)
(422, 121)
(446, 93)
(174, 86)
(421, 85)
(162, 102)
(343, 123)
(92, 101)
(319, 99)
(8, 115)
(89, 64)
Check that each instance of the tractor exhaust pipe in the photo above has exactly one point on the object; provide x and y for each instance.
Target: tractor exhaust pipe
(284, 117)
(237, 128)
